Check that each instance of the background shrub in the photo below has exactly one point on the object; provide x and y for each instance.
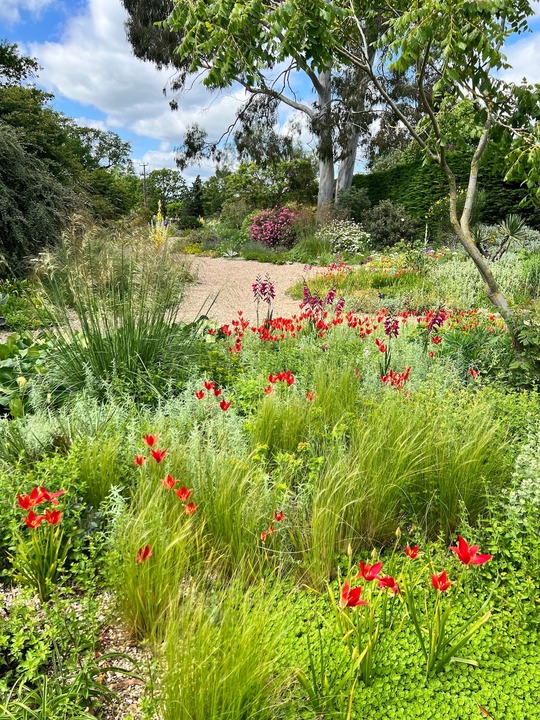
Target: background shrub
(345, 236)
(274, 228)
(388, 223)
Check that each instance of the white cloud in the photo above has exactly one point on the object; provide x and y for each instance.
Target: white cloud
(10, 10)
(93, 65)
(524, 57)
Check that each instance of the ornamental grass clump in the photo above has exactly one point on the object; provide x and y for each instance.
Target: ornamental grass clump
(274, 228)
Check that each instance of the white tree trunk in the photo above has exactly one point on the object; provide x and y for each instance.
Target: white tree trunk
(346, 167)
(325, 147)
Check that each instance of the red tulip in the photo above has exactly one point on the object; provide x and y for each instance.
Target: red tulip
(144, 554)
(217, 392)
(53, 517)
(440, 582)
(183, 493)
(351, 598)
(436, 340)
(411, 552)
(369, 572)
(469, 555)
(32, 520)
(389, 582)
(139, 460)
(190, 508)
(169, 482)
(473, 373)
(278, 516)
(29, 501)
(310, 395)
(224, 405)
(150, 440)
(51, 496)
(158, 455)
(272, 378)
(380, 345)
(199, 394)
(209, 384)
(268, 390)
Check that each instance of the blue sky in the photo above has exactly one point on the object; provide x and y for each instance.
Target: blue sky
(88, 65)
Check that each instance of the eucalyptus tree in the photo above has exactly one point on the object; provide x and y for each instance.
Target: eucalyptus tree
(468, 100)
(338, 117)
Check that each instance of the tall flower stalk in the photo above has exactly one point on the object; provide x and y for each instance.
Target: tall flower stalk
(264, 291)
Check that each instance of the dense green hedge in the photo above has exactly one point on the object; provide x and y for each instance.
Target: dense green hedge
(417, 186)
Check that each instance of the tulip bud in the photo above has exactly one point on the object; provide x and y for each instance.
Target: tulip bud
(398, 533)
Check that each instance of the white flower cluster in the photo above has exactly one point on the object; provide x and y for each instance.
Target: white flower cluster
(345, 236)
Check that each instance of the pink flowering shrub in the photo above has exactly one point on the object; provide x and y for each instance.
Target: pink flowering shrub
(274, 228)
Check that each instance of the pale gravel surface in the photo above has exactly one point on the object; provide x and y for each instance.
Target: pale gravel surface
(223, 286)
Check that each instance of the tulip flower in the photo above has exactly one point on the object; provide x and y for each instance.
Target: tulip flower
(32, 520)
(190, 508)
(440, 582)
(139, 460)
(369, 572)
(389, 582)
(51, 496)
(272, 378)
(265, 533)
(53, 517)
(183, 493)
(150, 440)
(473, 373)
(310, 395)
(278, 516)
(217, 392)
(411, 552)
(351, 597)
(224, 405)
(380, 344)
(144, 554)
(158, 455)
(169, 482)
(268, 390)
(29, 501)
(209, 384)
(469, 555)
(199, 394)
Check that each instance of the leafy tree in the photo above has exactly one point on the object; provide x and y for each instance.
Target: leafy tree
(165, 186)
(34, 205)
(102, 148)
(15, 68)
(469, 36)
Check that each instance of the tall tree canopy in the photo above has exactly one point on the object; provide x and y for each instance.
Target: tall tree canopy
(50, 166)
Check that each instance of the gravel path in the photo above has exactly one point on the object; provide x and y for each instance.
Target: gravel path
(225, 285)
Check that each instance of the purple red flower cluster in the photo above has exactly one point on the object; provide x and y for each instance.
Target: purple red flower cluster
(274, 228)
(263, 290)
